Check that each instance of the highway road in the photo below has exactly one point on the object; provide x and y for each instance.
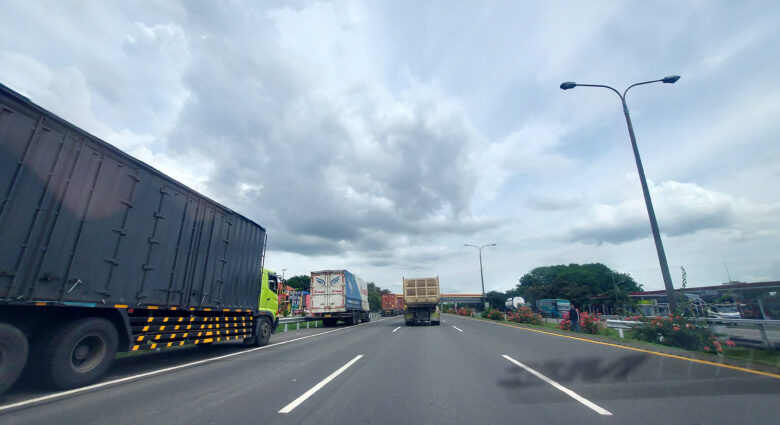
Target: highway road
(463, 372)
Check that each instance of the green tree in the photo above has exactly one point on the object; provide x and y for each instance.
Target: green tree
(374, 297)
(300, 283)
(496, 299)
(575, 282)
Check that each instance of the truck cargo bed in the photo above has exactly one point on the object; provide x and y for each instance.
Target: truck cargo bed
(83, 223)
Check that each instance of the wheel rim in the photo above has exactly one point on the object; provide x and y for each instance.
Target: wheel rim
(88, 353)
(264, 329)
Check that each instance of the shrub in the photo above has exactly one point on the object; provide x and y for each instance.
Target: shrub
(588, 323)
(677, 331)
(492, 314)
(465, 311)
(524, 315)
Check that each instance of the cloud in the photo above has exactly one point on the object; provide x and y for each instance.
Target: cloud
(681, 208)
(381, 136)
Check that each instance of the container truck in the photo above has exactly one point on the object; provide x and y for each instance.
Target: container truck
(421, 297)
(399, 303)
(338, 295)
(513, 303)
(99, 253)
(389, 305)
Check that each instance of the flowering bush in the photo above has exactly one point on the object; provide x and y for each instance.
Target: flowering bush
(465, 311)
(524, 315)
(588, 323)
(492, 314)
(676, 331)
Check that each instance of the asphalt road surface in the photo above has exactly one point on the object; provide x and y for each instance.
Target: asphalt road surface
(462, 372)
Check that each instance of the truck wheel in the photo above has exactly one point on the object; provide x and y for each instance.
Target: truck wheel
(13, 355)
(263, 333)
(79, 353)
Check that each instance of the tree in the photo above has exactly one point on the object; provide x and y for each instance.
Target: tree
(496, 299)
(300, 283)
(575, 282)
(374, 297)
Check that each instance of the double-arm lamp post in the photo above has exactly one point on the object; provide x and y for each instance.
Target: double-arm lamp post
(481, 275)
(659, 247)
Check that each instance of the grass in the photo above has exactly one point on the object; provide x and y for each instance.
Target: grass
(750, 355)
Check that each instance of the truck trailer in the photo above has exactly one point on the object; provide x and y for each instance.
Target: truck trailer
(421, 297)
(389, 305)
(338, 295)
(99, 253)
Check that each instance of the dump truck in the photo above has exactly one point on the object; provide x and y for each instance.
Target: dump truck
(389, 305)
(421, 296)
(338, 295)
(100, 253)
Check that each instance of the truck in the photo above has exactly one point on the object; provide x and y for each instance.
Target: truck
(338, 295)
(554, 308)
(514, 303)
(101, 253)
(399, 303)
(389, 305)
(421, 296)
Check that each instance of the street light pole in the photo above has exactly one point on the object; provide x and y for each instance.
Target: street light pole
(659, 247)
(481, 275)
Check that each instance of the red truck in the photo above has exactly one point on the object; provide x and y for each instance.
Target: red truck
(399, 303)
(390, 305)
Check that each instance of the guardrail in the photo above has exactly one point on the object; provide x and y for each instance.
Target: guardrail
(761, 325)
(286, 321)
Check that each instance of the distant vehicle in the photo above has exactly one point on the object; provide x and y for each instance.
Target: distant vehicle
(338, 295)
(390, 305)
(101, 253)
(553, 307)
(422, 299)
(724, 311)
(514, 303)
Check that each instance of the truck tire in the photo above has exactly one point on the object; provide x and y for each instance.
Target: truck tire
(13, 355)
(79, 353)
(263, 332)
(354, 320)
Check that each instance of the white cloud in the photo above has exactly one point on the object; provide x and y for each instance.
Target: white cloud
(382, 136)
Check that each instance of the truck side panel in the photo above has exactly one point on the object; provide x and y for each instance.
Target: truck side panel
(82, 222)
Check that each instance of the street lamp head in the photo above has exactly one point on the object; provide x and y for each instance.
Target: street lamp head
(566, 85)
(667, 80)
(491, 244)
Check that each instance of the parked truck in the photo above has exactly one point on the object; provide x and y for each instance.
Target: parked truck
(338, 295)
(99, 253)
(421, 297)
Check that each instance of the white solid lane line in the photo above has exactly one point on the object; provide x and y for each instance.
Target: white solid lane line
(314, 389)
(159, 371)
(396, 329)
(570, 393)
(459, 329)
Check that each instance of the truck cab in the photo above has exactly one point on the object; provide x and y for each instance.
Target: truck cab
(268, 300)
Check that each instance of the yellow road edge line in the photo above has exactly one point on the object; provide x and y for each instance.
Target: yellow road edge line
(642, 350)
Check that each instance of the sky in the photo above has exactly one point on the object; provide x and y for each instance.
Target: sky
(382, 136)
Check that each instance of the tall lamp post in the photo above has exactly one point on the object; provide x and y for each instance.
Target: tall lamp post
(481, 275)
(659, 247)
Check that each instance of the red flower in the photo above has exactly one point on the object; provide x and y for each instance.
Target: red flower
(730, 343)
(706, 348)
(716, 343)
(676, 328)
(720, 349)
